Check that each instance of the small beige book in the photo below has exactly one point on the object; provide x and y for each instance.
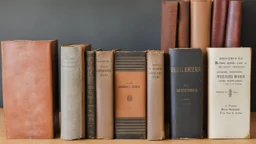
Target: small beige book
(155, 95)
(104, 95)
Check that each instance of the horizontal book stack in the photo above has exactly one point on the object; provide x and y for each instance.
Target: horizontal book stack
(196, 86)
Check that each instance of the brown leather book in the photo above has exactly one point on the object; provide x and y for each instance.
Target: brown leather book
(200, 38)
(104, 95)
(219, 19)
(30, 89)
(200, 24)
(130, 95)
(155, 95)
(168, 40)
(169, 25)
(234, 21)
(184, 24)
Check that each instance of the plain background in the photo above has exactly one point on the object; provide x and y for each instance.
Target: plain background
(106, 24)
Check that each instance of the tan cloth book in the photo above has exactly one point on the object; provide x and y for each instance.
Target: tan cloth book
(155, 95)
(104, 95)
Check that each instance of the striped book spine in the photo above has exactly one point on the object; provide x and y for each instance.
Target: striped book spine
(130, 95)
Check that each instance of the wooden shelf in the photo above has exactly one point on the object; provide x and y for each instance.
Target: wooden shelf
(3, 140)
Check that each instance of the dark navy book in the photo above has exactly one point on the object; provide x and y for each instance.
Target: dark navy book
(186, 93)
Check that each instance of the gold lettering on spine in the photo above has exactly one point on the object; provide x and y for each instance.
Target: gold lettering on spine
(185, 69)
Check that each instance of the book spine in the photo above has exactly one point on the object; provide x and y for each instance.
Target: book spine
(234, 22)
(104, 95)
(200, 24)
(200, 38)
(91, 95)
(184, 24)
(229, 93)
(56, 88)
(155, 95)
(168, 40)
(72, 93)
(219, 19)
(186, 93)
(130, 95)
(167, 92)
(169, 25)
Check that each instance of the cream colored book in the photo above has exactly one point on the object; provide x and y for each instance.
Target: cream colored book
(229, 85)
(73, 91)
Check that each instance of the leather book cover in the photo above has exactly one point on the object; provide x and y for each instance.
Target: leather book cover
(29, 88)
(105, 94)
(229, 95)
(91, 94)
(73, 91)
(130, 95)
(200, 24)
(184, 24)
(155, 95)
(219, 20)
(169, 25)
(234, 23)
(200, 38)
(168, 40)
(186, 93)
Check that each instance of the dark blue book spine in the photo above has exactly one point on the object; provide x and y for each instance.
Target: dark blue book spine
(186, 93)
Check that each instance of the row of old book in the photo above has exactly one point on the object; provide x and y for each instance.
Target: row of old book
(121, 94)
(201, 23)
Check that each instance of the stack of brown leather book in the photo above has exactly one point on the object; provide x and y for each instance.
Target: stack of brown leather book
(201, 23)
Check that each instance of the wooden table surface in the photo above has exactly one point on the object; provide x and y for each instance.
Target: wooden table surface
(3, 140)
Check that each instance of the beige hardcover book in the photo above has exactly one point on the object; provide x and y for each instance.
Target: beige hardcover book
(104, 95)
(73, 91)
(155, 95)
(229, 94)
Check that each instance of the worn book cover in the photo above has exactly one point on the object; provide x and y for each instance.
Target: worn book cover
(219, 20)
(104, 94)
(183, 33)
(91, 93)
(234, 23)
(130, 95)
(229, 92)
(155, 95)
(186, 93)
(73, 91)
(30, 88)
(169, 16)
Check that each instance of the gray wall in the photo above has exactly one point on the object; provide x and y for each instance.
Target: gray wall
(108, 24)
